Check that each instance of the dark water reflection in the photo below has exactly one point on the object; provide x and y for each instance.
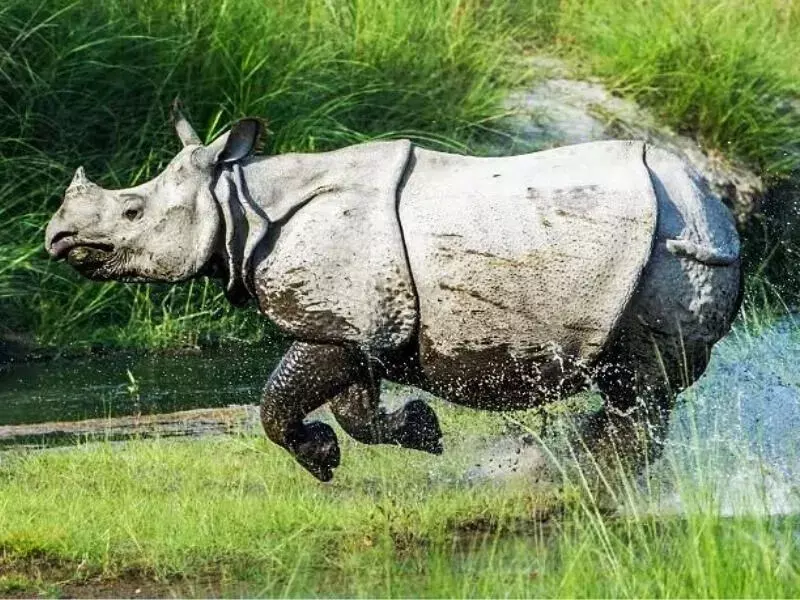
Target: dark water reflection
(67, 389)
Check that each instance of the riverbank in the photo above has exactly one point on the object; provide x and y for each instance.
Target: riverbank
(187, 423)
(231, 514)
(234, 516)
(326, 75)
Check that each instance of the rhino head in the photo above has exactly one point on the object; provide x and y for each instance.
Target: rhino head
(165, 230)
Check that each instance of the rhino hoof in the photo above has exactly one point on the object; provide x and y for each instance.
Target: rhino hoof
(420, 429)
(319, 451)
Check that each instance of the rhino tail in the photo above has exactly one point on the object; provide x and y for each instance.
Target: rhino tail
(702, 253)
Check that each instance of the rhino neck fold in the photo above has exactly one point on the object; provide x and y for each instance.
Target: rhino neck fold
(334, 267)
(245, 225)
(281, 185)
(263, 190)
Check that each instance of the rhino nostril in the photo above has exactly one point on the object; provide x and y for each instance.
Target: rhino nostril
(60, 236)
(132, 214)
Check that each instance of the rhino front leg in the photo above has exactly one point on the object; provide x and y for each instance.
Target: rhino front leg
(308, 376)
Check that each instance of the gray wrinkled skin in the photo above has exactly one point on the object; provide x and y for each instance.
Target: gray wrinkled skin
(493, 282)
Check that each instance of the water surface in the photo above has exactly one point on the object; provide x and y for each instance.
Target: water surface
(68, 389)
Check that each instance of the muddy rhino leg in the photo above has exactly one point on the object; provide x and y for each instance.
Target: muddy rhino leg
(310, 375)
(358, 411)
(307, 377)
(639, 385)
(630, 430)
(413, 426)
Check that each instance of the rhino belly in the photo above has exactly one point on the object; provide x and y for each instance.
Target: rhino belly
(523, 266)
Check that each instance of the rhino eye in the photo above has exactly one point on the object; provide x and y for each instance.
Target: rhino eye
(132, 213)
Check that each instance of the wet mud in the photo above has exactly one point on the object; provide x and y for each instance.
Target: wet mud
(189, 423)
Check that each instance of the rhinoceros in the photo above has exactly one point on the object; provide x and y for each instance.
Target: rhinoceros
(497, 283)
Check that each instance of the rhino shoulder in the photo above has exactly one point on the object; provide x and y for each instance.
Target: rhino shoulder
(336, 271)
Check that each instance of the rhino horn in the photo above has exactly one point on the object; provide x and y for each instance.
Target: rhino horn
(185, 131)
(79, 179)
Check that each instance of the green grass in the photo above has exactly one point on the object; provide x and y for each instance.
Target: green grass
(235, 516)
(721, 70)
(89, 83)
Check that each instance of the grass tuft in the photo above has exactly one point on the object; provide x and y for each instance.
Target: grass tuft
(725, 71)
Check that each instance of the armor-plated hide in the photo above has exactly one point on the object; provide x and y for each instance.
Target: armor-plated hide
(335, 267)
(499, 283)
(527, 252)
(519, 265)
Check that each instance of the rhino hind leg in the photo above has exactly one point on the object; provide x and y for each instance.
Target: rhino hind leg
(413, 426)
(639, 379)
(630, 429)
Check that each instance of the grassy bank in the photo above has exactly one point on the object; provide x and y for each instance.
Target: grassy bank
(89, 83)
(234, 516)
(724, 71)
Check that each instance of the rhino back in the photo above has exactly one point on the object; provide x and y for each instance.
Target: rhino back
(515, 255)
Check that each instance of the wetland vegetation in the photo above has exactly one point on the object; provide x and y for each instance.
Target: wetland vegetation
(90, 83)
(234, 516)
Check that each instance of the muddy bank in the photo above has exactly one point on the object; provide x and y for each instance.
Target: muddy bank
(187, 423)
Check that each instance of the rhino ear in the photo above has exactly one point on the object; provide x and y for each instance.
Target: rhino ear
(244, 138)
(185, 131)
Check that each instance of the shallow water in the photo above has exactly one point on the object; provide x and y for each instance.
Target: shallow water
(100, 386)
(737, 430)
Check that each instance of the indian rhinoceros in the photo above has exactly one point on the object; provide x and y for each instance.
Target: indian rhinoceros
(496, 283)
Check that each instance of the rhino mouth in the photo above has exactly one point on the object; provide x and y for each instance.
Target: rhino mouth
(88, 255)
(65, 246)
(82, 255)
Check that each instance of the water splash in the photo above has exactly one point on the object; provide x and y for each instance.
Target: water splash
(734, 440)
(736, 432)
